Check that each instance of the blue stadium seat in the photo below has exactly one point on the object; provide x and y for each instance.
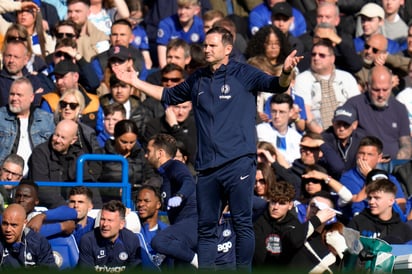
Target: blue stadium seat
(65, 251)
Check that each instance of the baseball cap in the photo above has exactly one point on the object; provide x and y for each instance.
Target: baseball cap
(282, 8)
(345, 114)
(376, 174)
(372, 10)
(120, 52)
(65, 66)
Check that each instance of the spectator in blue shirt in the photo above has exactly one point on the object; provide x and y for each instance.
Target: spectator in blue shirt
(184, 24)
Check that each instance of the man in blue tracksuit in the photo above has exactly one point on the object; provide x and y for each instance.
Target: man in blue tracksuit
(110, 247)
(223, 96)
(179, 240)
(21, 247)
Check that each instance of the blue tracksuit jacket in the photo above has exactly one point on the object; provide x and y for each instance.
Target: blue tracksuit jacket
(224, 104)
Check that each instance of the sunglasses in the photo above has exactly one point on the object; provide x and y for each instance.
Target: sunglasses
(59, 54)
(61, 35)
(321, 55)
(313, 181)
(174, 80)
(14, 38)
(261, 181)
(64, 104)
(374, 50)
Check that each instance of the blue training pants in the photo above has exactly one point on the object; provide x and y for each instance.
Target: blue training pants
(233, 183)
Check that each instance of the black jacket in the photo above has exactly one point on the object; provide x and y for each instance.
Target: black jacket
(274, 244)
(47, 165)
(186, 133)
(394, 231)
(139, 169)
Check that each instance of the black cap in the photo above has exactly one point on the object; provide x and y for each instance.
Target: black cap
(65, 66)
(345, 114)
(282, 8)
(376, 174)
(120, 52)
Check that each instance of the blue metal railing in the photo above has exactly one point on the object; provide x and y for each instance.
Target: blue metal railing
(124, 184)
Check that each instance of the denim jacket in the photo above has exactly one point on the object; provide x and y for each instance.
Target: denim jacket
(41, 127)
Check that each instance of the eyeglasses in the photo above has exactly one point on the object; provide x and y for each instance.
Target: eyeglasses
(59, 54)
(174, 80)
(374, 50)
(13, 174)
(64, 104)
(321, 55)
(261, 181)
(61, 35)
(14, 38)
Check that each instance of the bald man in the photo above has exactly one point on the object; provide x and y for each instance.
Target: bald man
(375, 53)
(20, 246)
(381, 115)
(55, 161)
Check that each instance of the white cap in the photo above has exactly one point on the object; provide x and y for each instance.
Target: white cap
(372, 10)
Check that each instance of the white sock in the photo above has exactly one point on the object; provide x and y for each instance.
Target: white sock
(194, 261)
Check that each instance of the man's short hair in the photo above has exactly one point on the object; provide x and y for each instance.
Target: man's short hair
(281, 191)
(282, 98)
(165, 142)
(212, 14)
(81, 190)
(227, 37)
(123, 22)
(325, 43)
(226, 23)
(115, 205)
(29, 182)
(15, 159)
(383, 185)
(188, 2)
(65, 42)
(179, 43)
(155, 190)
(23, 80)
(172, 67)
(114, 107)
(71, 2)
(371, 141)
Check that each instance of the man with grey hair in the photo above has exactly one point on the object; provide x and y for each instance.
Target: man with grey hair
(23, 127)
(11, 171)
(15, 58)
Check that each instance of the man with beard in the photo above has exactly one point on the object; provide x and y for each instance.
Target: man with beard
(23, 127)
(381, 115)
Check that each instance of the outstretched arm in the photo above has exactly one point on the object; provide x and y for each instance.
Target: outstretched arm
(290, 63)
(129, 76)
